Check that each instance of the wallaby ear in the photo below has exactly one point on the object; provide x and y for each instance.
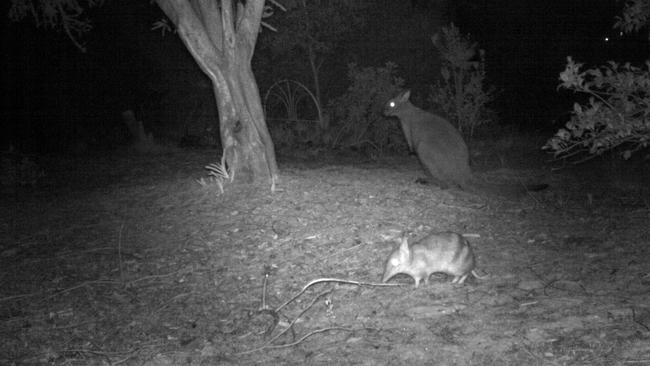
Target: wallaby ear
(404, 97)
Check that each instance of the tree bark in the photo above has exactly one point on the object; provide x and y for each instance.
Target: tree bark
(222, 41)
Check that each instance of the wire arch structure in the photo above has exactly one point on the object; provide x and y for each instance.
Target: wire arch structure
(290, 94)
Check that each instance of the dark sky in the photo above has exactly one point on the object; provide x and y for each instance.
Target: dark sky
(527, 43)
(52, 90)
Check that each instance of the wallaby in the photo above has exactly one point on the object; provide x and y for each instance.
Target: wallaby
(439, 146)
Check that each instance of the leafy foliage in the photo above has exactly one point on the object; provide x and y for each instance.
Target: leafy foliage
(634, 17)
(619, 105)
(67, 14)
(461, 93)
(358, 112)
(308, 33)
(618, 113)
(310, 25)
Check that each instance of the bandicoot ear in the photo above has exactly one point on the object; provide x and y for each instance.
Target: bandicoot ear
(404, 97)
(404, 251)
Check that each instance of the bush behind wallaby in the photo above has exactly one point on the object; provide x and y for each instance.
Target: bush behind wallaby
(358, 121)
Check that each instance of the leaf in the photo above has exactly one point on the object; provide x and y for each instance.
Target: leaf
(627, 154)
(163, 25)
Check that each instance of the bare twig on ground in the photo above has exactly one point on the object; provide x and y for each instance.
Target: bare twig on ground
(299, 315)
(159, 308)
(302, 339)
(269, 345)
(14, 297)
(527, 349)
(107, 355)
(319, 280)
(152, 277)
(78, 252)
(266, 279)
(343, 251)
(119, 251)
(87, 283)
(637, 321)
(84, 284)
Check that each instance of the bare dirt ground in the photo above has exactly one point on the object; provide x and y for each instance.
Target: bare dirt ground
(126, 260)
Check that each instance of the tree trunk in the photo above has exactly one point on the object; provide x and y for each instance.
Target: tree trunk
(223, 52)
(244, 134)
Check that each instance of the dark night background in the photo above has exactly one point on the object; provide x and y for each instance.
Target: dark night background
(59, 100)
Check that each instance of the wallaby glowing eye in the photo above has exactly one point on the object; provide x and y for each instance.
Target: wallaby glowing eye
(391, 104)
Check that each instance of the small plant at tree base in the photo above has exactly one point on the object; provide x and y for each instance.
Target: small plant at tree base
(461, 92)
(618, 112)
(358, 112)
(218, 173)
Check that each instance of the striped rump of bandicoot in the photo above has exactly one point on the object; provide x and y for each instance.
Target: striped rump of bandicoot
(445, 252)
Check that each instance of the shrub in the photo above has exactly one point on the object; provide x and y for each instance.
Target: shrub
(461, 92)
(358, 113)
(617, 115)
